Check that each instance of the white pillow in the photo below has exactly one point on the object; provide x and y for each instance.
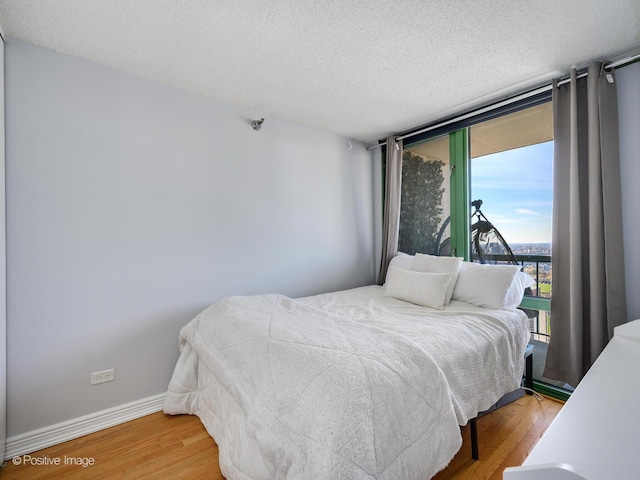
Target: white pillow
(433, 264)
(426, 289)
(401, 260)
(516, 292)
(485, 285)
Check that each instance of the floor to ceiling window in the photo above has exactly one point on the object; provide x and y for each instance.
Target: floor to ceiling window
(426, 196)
(501, 164)
(511, 165)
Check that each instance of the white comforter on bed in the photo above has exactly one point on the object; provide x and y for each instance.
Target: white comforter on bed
(349, 385)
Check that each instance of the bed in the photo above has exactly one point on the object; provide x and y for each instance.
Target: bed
(356, 384)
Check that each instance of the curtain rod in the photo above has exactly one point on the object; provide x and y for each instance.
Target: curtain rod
(472, 113)
(507, 101)
(623, 61)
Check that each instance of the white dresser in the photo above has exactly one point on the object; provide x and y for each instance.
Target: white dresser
(596, 435)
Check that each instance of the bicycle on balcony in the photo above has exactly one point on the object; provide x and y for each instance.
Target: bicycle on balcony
(487, 243)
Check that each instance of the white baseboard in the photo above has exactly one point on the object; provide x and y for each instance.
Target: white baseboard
(30, 442)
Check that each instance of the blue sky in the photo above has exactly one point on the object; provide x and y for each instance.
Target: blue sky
(516, 191)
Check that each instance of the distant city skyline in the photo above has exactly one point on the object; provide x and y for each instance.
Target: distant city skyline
(515, 187)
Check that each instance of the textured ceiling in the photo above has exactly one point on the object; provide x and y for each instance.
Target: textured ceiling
(359, 68)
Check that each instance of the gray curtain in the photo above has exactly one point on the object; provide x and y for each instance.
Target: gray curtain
(392, 189)
(588, 298)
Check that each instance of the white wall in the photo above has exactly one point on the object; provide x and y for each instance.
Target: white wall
(3, 299)
(131, 206)
(628, 85)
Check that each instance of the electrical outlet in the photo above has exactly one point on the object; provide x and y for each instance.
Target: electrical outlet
(103, 376)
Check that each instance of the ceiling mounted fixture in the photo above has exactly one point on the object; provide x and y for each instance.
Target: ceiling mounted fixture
(257, 124)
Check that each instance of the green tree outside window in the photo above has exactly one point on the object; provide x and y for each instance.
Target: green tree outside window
(421, 208)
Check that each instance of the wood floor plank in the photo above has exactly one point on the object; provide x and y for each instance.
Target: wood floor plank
(178, 447)
(506, 437)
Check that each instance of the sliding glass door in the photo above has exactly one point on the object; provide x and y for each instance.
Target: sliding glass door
(500, 167)
(511, 165)
(426, 198)
(433, 213)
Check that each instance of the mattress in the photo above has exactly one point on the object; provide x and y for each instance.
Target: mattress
(477, 356)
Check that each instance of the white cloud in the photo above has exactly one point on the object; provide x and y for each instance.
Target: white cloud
(525, 211)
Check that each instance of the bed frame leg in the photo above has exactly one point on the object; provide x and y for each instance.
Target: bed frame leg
(474, 438)
(528, 381)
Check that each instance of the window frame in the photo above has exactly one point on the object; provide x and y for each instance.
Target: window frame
(460, 182)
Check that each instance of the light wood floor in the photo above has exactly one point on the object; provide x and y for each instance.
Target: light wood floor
(505, 438)
(160, 446)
